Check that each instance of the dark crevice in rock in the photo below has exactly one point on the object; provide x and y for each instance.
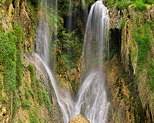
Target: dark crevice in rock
(114, 42)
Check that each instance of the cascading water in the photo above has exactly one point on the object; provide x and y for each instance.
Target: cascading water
(91, 100)
(85, 10)
(42, 35)
(70, 16)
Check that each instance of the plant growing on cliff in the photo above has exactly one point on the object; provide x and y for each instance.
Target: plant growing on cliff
(122, 23)
(148, 1)
(1, 87)
(143, 46)
(19, 67)
(151, 75)
(123, 4)
(140, 6)
(25, 104)
(8, 59)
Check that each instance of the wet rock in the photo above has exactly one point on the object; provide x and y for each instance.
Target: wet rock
(79, 119)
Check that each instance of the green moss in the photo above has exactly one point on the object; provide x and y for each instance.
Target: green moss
(150, 22)
(15, 102)
(32, 75)
(20, 121)
(33, 17)
(27, 94)
(151, 75)
(122, 23)
(44, 95)
(148, 1)
(19, 67)
(31, 92)
(8, 60)
(33, 118)
(9, 76)
(1, 87)
(123, 4)
(141, 36)
(140, 6)
(25, 104)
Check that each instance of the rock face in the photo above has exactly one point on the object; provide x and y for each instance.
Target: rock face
(79, 119)
(128, 78)
(32, 100)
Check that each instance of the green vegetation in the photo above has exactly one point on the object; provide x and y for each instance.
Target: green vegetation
(15, 102)
(123, 4)
(25, 104)
(45, 98)
(1, 87)
(71, 49)
(148, 1)
(140, 6)
(11, 58)
(37, 92)
(8, 2)
(151, 75)
(33, 118)
(32, 75)
(19, 68)
(122, 23)
(20, 121)
(141, 36)
(8, 59)
(34, 3)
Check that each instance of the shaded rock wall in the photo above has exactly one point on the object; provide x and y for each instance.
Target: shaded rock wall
(34, 100)
(128, 75)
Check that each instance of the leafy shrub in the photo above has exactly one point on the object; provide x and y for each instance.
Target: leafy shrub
(140, 6)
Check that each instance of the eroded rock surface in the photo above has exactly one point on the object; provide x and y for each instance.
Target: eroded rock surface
(79, 119)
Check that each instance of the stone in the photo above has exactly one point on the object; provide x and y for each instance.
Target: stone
(79, 119)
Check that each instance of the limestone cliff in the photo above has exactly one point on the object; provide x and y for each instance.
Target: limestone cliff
(130, 68)
(79, 119)
(26, 94)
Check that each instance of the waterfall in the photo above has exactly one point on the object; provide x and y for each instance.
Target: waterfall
(85, 10)
(70, 16)
(42, 34)
(91, 100)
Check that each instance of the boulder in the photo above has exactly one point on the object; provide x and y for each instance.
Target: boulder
(79, 119)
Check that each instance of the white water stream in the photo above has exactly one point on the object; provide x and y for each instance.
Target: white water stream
(70, 16)
(91, 100)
